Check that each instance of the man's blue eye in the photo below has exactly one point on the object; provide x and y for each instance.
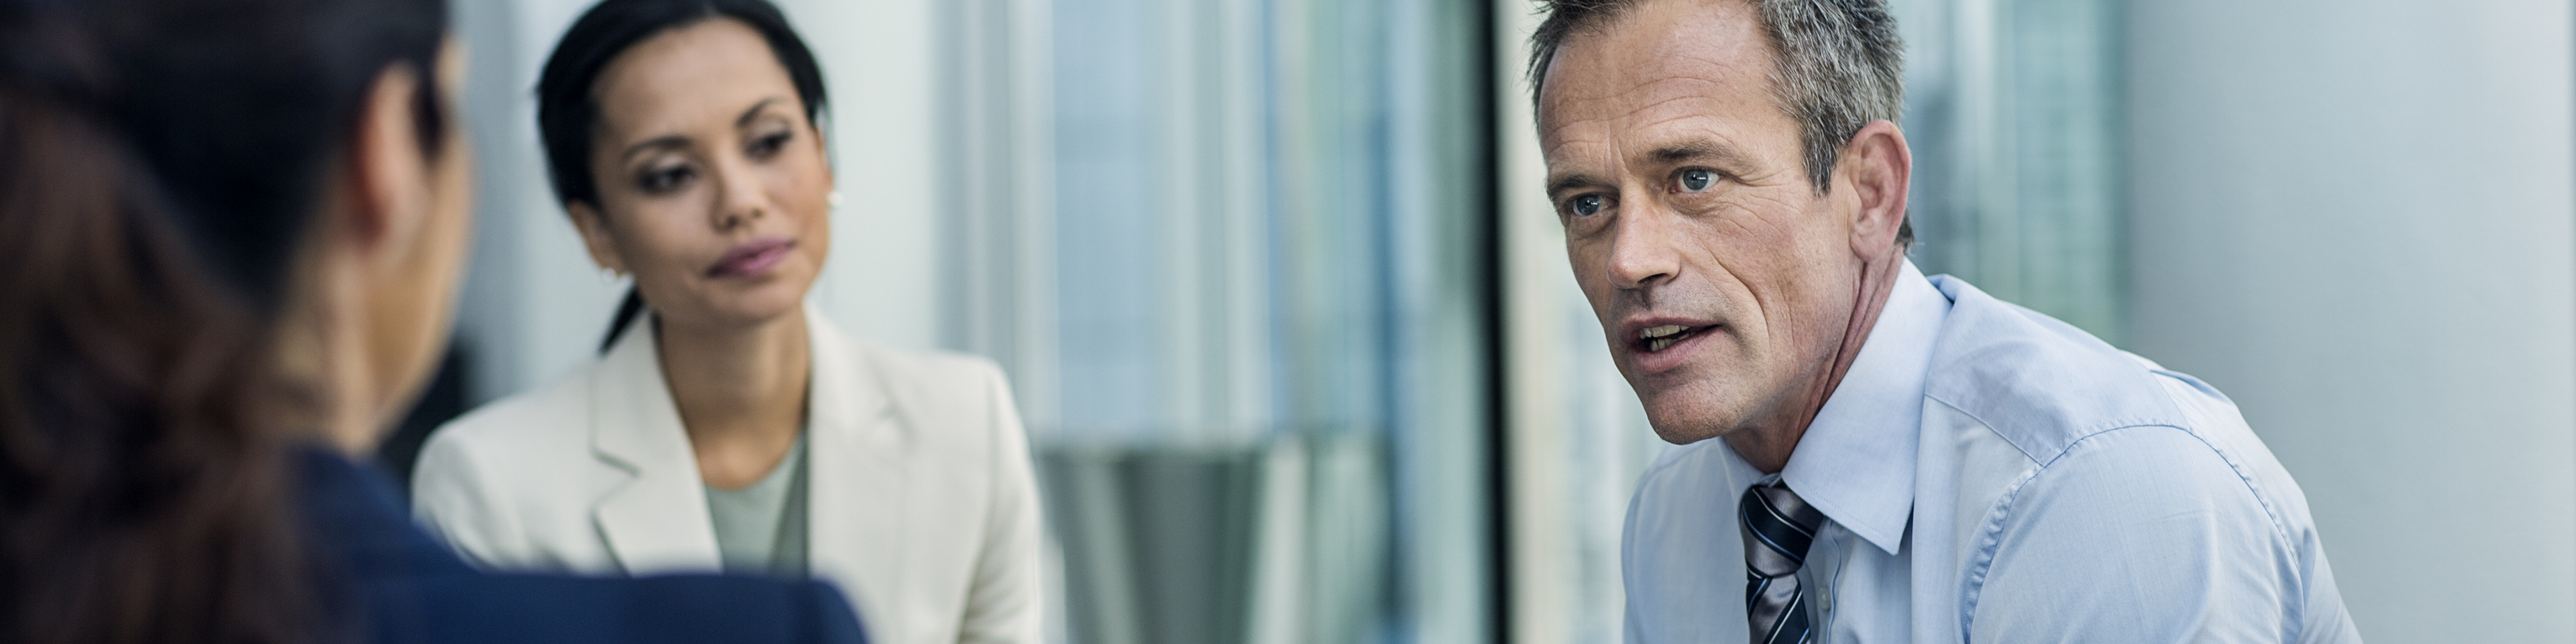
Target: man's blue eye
(1696, 179)
(1586, 205)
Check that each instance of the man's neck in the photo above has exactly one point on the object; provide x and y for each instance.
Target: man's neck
(1768, 445)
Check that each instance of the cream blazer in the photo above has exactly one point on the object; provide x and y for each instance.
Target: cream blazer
(923, 508)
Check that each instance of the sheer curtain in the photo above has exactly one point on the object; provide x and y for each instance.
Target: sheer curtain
(1228, 251)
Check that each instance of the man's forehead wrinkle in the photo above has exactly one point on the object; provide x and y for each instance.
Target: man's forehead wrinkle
(1579, 152)
(1712, 63)
(1553, 125)
(1565, 142)
(1709, 138)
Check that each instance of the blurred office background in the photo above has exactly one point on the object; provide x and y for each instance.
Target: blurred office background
(1292, 326)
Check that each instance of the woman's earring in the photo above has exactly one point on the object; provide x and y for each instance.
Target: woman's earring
(834, 198)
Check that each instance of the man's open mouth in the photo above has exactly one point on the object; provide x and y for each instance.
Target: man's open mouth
(1657, 338)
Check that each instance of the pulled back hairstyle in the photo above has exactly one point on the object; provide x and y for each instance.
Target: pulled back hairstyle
(567, 90)
(159, 166)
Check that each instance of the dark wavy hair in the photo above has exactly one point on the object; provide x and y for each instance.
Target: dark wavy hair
(160, 162)
(567, 99)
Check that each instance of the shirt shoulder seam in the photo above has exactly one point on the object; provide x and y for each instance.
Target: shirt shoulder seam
(1990, 530)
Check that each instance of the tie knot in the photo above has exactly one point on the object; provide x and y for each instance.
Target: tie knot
(1778, 527)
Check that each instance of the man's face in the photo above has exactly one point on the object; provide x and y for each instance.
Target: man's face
(1724, 281)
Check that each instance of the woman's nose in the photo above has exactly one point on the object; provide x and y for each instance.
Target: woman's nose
(740, 199)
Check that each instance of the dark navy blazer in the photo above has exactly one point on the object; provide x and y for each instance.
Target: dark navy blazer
(406, 588)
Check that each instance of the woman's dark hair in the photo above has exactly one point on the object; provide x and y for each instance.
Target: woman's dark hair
(568, 102)
(159, 167)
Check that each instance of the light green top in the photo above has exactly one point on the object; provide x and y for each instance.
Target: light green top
(760, 529)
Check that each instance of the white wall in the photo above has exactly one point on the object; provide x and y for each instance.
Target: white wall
(2353, 216)
(534, 306)
(882, 282)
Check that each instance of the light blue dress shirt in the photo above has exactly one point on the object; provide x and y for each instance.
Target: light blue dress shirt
(1991, 474)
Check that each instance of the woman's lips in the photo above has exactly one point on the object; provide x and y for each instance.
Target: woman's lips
(754, 259)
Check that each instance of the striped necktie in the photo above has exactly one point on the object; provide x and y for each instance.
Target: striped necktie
(1778, 527)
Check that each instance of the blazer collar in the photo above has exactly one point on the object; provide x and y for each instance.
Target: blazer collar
(857, 436)
(855, 393)
(636, 425)
(658, 521)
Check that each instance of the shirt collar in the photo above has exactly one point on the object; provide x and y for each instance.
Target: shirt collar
(1856, 461)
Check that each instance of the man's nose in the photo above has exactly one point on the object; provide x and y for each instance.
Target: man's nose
(1643, 245)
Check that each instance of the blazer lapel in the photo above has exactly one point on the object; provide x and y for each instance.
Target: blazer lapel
(657, 522)
(858, 472)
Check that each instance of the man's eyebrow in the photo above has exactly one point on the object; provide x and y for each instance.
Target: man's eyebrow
(1571, 181)
(1711, 151)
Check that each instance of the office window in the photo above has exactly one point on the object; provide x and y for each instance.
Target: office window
(2013, 109)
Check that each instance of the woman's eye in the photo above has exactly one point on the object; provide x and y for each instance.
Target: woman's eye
(664, 180)
(1585, 205)
(765, 146)
(1697, 179)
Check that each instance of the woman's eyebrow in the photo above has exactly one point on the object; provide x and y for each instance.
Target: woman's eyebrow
(658, 143)
(677, 141)
(749, 114)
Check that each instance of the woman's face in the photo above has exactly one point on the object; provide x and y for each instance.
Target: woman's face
(713, 187)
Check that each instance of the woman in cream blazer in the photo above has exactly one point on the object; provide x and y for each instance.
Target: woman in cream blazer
(728, 426)
(922, 505)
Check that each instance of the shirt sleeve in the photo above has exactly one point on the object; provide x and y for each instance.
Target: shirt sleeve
(2137, 535)
(1003, 605)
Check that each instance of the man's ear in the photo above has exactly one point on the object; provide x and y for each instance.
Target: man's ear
(594, 235)
(388, 178)
(1877, 167)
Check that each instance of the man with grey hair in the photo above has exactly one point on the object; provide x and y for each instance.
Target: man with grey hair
(1903, 458)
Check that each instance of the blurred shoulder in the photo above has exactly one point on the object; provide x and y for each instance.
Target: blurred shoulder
(557, 609)
(936, 383)
(925, 369)
(539, 425)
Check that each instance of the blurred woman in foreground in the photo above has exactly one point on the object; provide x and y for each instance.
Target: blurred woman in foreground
(229, 238)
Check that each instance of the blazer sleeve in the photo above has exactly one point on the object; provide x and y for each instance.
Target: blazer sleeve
(452, 498)
(1003, 606)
